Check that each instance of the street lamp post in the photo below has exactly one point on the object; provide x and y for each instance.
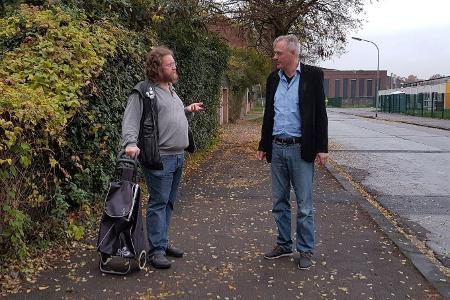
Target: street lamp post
(378, 71)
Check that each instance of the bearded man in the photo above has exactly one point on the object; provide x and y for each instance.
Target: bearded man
(155, 128)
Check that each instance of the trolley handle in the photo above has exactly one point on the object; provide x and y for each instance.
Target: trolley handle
(123, 158)
(125, 162)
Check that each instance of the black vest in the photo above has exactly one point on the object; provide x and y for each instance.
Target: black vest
(148, 140)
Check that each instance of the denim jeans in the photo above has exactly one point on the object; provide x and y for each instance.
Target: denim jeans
(288, 168)
(163, 186)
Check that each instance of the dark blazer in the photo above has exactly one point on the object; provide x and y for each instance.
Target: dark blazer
(313, 113)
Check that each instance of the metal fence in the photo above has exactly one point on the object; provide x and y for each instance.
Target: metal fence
(422, 104)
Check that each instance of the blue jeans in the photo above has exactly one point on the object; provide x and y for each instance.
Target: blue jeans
(289, 168)
(163, 187)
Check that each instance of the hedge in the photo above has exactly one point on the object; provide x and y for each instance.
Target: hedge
(64, 82)
(202, 61)
(64, 86)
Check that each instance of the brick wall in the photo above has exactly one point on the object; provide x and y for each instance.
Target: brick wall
(353, 84)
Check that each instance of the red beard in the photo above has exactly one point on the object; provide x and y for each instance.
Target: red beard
(172, 78)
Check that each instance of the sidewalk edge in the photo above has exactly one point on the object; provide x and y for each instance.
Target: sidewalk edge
(422, 263)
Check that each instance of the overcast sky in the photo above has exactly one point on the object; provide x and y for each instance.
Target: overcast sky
(413, 37)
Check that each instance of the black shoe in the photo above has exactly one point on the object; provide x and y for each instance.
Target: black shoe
(277, 252)
(160, 261)
(174, 252)
(305, 260)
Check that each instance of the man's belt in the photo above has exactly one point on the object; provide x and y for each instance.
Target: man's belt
(287, 141)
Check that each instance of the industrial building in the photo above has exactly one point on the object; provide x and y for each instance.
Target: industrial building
(353, 87)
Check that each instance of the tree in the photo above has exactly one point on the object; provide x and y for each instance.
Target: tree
(247, 67)
(436, 76)
(411, 78)
(321, 25)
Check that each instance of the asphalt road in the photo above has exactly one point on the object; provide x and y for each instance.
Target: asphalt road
(406, 167)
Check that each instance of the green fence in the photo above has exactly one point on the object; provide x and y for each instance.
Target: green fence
(351, 102)
(334, 102)
(422, 104)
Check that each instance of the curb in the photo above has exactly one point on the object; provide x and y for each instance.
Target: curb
(422, 263)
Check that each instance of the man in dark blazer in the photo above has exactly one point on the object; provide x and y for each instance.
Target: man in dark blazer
(294, 134)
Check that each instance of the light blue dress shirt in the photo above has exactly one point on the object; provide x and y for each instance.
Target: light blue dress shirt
(287, 120)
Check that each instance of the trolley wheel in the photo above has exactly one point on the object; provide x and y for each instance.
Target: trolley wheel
(142, 260)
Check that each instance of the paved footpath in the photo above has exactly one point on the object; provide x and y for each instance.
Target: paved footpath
(223, 221)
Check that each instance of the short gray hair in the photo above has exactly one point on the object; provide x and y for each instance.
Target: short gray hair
(291, 42)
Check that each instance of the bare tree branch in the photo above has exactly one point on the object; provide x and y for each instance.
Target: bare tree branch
(321, 25)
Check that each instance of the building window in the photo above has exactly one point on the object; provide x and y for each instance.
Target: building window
(345, 88)
(353, 88)
(361, 87)
(337, 88)
(369, 87)
(326, 87)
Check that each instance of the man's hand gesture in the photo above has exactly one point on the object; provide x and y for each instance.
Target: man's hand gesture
(195, 107)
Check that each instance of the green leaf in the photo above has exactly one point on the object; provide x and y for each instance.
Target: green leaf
(25, 161)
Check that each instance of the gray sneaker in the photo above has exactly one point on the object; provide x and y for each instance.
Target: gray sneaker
(159, 261)
(277, 252)
(305, 260)
(174, 252)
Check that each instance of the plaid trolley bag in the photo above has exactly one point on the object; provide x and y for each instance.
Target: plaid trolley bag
(121, 233)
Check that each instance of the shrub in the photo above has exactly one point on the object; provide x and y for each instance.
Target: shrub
(64, 80)
(59, 119)
(202, 60)
(133, 14)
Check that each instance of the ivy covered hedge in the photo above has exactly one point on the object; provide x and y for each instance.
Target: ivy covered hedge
(202, 61)
(64, 81)
(48, 57)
